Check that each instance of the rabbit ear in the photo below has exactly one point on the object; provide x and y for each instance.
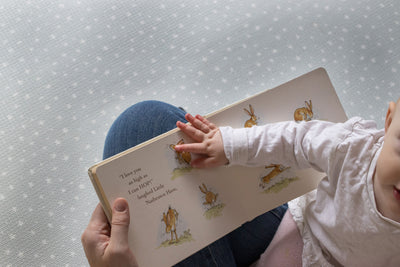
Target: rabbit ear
(205, 187)
(202, 189)
(248, 112)
(251, 109)
(309, 104)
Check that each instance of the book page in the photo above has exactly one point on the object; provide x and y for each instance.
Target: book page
(176, 210)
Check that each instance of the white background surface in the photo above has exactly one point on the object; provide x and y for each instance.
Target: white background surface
(69, 68)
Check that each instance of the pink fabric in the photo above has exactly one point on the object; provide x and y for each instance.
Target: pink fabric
(286, 247)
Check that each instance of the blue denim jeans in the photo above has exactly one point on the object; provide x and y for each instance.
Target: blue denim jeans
(242, 246)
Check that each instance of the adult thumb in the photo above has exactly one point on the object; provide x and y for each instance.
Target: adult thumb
(120, 223)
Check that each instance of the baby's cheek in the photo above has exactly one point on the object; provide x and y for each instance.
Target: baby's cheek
(396, 144)
(385, 168)
(390, 173)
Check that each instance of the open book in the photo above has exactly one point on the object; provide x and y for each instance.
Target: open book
(177, 210)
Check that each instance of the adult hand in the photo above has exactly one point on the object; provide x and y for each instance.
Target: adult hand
(208, 142)
(107, 245)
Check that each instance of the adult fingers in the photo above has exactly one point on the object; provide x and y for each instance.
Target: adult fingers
(97, 225)
(120, 223)
(98, 216)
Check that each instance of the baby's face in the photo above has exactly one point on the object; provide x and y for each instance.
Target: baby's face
(387, 173)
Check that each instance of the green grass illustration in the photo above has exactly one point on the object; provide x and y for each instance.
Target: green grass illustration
(178, 172)
(276, 188)
(214, 211)
(185, 237)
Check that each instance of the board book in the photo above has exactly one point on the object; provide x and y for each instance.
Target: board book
(177, 210)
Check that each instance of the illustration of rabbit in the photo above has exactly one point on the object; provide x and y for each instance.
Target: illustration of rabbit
(277, 169)
(304, 113)
(210, 196)
(253, 119)
(183, 157)
(170, 222)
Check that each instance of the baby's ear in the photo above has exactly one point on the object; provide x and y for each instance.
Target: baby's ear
(389, 115)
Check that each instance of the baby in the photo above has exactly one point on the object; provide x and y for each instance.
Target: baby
(353, 218)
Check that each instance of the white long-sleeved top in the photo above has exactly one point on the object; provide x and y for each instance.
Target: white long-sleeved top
(340, 223)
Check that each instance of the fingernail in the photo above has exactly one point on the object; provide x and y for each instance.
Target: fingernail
(120, 205)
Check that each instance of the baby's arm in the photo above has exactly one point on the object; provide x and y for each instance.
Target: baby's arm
(208, 142)
(298, 145)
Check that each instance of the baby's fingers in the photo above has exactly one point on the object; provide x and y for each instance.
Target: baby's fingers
(206, 122)
(199, 122)
(191, 131)
(197, 148)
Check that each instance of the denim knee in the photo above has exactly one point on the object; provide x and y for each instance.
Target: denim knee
(139, 123)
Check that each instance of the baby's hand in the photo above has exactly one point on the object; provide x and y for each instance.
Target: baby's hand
(208, 142)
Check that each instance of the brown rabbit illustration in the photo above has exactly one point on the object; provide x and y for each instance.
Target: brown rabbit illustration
(170, 222)
(253, 119)
(210, 196)
(277, 169)
(304, 113)
(183, 157)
